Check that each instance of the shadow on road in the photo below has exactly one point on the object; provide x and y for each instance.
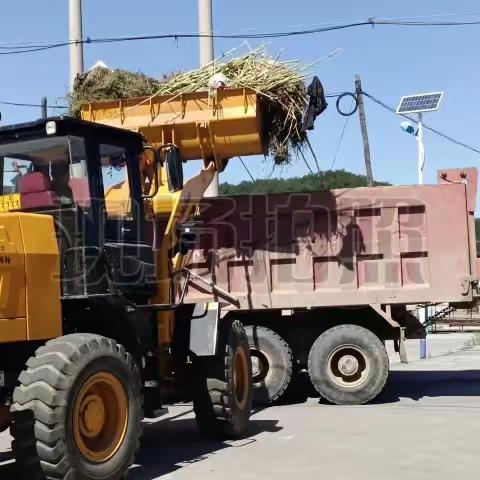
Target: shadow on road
(299, 391)
(439, 383)
(171, 444)
(403, 384)
(168, 445)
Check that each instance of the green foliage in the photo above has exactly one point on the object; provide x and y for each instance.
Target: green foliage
(328, 179)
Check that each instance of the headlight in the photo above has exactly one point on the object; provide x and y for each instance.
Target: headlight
(51, 128)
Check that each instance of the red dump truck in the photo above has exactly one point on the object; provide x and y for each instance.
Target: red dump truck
(322, 279)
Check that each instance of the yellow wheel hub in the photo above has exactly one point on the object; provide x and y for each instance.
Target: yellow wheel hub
(93, 416)
(100, 417)
(240, 377)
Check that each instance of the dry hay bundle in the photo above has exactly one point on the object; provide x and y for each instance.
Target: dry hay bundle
(280, 86)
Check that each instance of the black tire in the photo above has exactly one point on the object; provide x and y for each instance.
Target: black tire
(222, 394)
(272, 362)
(348, 365)
(47, 412)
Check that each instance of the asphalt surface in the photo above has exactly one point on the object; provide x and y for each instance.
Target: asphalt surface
(425, 425)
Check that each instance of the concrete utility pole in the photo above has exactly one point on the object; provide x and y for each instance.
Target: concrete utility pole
(75, 35)
(205, 27)
(43, 107)
(363, 126)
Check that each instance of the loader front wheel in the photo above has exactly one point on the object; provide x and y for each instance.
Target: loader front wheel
(78, 409)
(223, 384)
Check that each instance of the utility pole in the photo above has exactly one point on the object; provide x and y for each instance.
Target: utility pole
(75, 37)
(205, 29)
(363, 126)
(43, 106)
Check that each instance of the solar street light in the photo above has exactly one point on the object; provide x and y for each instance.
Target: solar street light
(419, 104)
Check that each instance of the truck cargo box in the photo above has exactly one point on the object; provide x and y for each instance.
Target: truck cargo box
(360, 246)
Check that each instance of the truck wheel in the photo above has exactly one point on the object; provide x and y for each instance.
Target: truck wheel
(222, 397)
(348, 365)
(78, 409)
(271, 364)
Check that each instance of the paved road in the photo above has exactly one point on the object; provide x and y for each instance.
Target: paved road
(437, 345)
(425, 426)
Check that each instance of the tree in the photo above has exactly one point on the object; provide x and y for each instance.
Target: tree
(328, 179)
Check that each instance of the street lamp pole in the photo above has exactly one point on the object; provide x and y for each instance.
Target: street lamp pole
(421, 149)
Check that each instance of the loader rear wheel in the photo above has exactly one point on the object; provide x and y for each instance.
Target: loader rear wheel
(222, 396)
(78, 409)
(348, 365)
(272, 364)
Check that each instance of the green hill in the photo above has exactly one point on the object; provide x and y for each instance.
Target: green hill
(327, 180)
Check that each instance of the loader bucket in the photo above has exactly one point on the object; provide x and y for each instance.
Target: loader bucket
(215, 125)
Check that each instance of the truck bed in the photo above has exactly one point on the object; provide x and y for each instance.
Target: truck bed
(379, 245)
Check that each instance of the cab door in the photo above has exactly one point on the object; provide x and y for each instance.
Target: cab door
(12, 280)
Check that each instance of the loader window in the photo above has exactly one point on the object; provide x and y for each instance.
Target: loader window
(115, 181)
(11, 173)
(45, 172)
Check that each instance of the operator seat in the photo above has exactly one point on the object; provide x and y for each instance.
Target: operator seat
(36, 191)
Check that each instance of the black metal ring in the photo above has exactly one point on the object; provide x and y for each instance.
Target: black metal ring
(355, 108)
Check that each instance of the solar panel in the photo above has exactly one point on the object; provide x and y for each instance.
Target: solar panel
(424, 102)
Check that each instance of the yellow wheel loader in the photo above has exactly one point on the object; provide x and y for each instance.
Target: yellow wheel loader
(93, 332)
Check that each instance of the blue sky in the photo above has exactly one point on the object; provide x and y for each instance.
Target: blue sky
(392, 61)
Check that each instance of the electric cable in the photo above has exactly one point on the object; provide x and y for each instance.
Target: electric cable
(312, 151)
(17, 104)
(248, 171)
(340, 140)
(14, 50)
(352, 108)
(305, 160)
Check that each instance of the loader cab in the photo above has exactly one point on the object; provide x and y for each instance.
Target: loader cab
(65, 168)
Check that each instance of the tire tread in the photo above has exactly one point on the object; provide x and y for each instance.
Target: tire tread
(40, 403)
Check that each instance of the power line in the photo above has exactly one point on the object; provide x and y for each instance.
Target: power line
(248, 171)
(312, 151)
(431, 16)
(340, 140)
(10, 44)
(14, 50)
(65, 107)
(36, 105)
(434, 130)
(305, 160)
